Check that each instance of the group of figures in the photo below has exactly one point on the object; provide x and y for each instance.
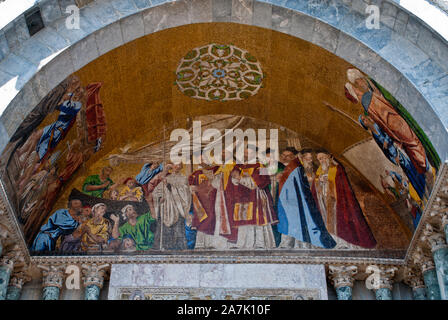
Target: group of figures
(38, 165)
(399, 143)
(226, 206)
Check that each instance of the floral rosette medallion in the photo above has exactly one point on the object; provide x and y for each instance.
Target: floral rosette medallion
(219, 73)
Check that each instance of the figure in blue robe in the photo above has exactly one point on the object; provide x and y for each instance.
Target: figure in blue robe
(146, 173)
(386, 144)
(60, 223)
(55, 132)
(298, 214)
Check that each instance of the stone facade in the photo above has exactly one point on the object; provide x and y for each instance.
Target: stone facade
(405, 55)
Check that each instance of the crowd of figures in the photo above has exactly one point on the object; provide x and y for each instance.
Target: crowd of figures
(227, 206)
(38, 164)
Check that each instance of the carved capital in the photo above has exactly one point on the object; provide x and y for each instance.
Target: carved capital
(444, 219)
(434, 237)
(12, 258)
(342, 276)
(381, 277)
(52, 276)
(18, 279)
(7, 262)
(93, 274)
(413, 278)
(423, 259)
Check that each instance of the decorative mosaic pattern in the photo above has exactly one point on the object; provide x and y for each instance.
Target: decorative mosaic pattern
(219, 72)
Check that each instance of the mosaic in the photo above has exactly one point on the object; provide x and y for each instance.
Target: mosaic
(219, 73)
(89, 170)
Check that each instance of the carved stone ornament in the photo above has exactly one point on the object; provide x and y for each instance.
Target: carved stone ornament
(93, 274)
(18, 279)
(413, 278)
(434, 237)
(342, 276)
(53, 276)
(381, 277)
(444, 219)
(423, 259)
(12, 258)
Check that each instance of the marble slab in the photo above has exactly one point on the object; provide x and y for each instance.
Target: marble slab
(219, 281)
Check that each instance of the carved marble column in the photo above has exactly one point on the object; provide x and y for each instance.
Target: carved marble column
(381, 281)
(52, 280)
(93, 277)
(18, 279)
(414, 279)
(439, 248)
(6, 267)
(342, 278)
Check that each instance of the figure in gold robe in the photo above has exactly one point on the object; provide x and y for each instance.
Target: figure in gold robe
(95, 231)
(131, 191)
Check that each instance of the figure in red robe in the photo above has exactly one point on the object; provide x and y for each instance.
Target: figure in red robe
(337, 203)
(203, 198)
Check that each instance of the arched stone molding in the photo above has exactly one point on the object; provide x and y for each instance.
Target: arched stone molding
(404, 55)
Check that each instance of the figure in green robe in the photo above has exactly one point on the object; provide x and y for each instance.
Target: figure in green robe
(97, 184)
(136, 227)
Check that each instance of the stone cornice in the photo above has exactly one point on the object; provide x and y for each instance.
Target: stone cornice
(174, 259)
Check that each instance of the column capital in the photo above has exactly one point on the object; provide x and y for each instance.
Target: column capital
(342, 276)
(413, 278)
(423, 259)
(18, 279)
(439, 212)
(434, 237)
(381, 277)
(7, 262)
(444, 219)
(93, 274)
(52, 276)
